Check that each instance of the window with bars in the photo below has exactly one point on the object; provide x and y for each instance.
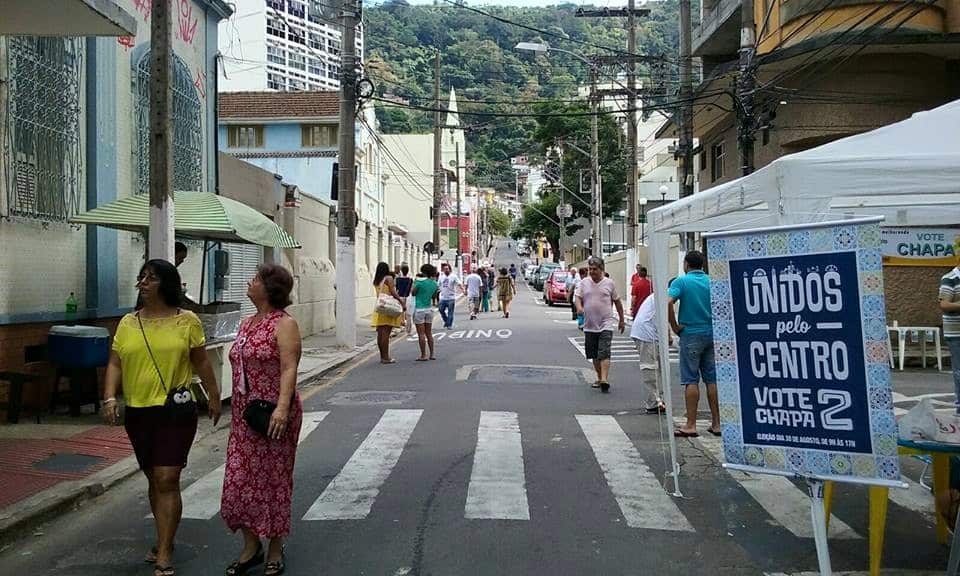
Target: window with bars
(318, 135)
(333, 71)
(276, 81)
(275, 27)
(42, 155)
(717, 155)
(297, 35)
(187, 127)
(296, 8)
(245, 136)
(297, 84)
(316, 41)
(333, 46)
(297, 61)
(317, 67)
(276, 55)
(275, 4)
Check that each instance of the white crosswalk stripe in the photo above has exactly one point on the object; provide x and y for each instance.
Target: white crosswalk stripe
(497, 488)
(351, 495)
(201, 500)
(781, 498)
(622, 349)
(643, 501)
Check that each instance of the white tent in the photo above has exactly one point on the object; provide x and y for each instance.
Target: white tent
(908, 172)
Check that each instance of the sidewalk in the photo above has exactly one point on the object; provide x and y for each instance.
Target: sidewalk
(50, 467)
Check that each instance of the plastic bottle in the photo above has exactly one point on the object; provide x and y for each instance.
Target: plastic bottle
(71, 304)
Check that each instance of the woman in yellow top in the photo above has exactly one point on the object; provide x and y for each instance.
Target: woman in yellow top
(383, 281)
(155, 350)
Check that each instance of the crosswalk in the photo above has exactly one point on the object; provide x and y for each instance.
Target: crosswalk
(498, 480)
(622, 349)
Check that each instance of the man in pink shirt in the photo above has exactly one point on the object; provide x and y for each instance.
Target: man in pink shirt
(596, 298)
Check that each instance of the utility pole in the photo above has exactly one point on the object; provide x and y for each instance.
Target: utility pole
(456, 148)
(633, 173)
(685, 148)
(437, 163)
(745, 85)
(346, 304)
(595, 189)
(161, 233)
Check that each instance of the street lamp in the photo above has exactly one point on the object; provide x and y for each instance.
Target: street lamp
(643, 220)
(609, 224)
(663, 193)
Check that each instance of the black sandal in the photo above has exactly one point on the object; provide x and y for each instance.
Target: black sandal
(239, 568)
(164, 571)
(275, 567)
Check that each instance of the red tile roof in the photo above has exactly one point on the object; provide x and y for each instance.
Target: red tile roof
(256, 105)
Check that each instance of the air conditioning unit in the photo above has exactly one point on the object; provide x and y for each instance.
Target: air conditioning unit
(671, 149)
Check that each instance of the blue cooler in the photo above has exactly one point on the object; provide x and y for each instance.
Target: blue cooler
(78, 346)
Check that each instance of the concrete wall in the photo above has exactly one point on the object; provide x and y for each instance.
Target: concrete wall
(911, 293)
(313, 269)
(409, 188)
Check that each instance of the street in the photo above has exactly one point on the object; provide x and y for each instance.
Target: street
(498, 458)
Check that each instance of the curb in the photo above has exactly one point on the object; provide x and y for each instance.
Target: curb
(59, 498)
(22, 516)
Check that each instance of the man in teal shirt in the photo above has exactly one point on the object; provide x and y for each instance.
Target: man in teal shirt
(695, 329)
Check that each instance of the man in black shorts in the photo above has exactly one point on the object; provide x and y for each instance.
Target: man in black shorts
(596, 298)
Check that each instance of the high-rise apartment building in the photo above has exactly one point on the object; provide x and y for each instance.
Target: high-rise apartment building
(281, 45)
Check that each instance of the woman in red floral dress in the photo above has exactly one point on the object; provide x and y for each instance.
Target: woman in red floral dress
(258, 484)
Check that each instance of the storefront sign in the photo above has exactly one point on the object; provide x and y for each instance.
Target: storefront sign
(801, 351)
(920, 246)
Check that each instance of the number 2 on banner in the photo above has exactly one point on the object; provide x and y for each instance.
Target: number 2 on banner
(827, 416)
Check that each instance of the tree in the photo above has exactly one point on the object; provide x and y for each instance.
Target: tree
(500, 223)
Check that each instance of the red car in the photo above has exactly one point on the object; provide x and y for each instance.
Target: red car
(555, 288)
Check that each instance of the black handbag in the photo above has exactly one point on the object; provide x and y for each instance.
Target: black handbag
(179, 403)
(257, 415)
(258, 412)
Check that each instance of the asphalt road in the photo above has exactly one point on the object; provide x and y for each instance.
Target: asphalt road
(497, 458)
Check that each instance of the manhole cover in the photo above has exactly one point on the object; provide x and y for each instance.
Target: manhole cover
(371, 398)
(526, 375)
(73, 463)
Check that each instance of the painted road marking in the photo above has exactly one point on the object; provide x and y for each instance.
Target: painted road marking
(497, 488)
(351, 494)
(642, 499)
(201, 500)
(622, 349)
(781, 498)
(489, 334)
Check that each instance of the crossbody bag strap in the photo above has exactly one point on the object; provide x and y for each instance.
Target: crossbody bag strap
(152, 358)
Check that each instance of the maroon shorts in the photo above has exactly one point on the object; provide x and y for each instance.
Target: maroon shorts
(158, 439)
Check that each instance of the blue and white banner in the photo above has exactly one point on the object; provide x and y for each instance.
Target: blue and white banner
(801, 350)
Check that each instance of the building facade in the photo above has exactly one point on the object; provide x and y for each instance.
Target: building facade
(74, 136)
(282, 45)
(823, 71)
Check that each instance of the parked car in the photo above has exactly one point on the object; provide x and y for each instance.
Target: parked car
(542, 273)
(530, 273)
(555, 288)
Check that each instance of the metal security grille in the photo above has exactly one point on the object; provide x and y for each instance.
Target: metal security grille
(187, 130)
(42, 113)
(244, 259)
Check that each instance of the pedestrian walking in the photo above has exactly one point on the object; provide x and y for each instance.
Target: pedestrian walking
(570, 284)
(449, 286)
(485, 290)
(492, 285)
(425, 290)
(474, 283)
(258, 480)
(513, 271)
(155, 352)
(582, 273)
(640, 288)
(694, 326)
(596, 300)
(383, 319)
(644, 336)
(949, 297)
(404, 284)
(506, 289)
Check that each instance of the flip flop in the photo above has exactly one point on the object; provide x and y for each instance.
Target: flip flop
(681, 434)
(433, 357)
(422, 359)
(714, 432)
(391, 361)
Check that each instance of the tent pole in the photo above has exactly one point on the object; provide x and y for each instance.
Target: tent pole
(203, 271)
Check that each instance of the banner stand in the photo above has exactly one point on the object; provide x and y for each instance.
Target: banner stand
(819, 518)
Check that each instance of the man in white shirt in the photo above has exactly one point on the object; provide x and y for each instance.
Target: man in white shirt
(644, 335)
(449, 285)
(474, 292)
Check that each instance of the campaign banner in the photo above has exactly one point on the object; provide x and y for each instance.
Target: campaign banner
(920, 246)
(801, 351)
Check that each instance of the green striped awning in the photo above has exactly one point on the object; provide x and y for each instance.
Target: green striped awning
(199, 215)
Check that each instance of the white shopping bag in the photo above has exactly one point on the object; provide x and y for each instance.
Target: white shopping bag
(923, 423)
